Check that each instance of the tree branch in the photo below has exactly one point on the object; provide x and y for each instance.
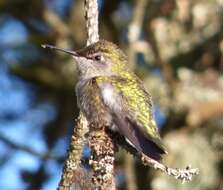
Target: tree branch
(72, 164)
(102, 159)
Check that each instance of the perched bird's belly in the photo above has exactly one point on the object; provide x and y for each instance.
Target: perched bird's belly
(91, 103)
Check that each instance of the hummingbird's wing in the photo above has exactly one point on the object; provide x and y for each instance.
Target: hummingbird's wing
(131, 108)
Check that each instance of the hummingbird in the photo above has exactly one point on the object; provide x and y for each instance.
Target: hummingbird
(110, 94)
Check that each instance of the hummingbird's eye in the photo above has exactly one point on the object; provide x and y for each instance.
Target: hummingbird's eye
(98, 57)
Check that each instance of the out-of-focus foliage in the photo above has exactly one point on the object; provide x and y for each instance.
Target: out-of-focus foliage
(175, 46)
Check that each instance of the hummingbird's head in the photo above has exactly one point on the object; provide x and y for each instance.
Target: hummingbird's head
(102, 58)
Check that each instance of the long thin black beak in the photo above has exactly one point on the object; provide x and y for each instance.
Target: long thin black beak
(59, 49)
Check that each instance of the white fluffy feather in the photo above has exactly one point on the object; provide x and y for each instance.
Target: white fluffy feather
(109, 96)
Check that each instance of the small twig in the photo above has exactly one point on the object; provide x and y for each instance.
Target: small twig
(74, 156)
(182, 174)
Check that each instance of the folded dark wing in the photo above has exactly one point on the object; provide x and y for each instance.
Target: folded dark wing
(133, 134)
(130, 106)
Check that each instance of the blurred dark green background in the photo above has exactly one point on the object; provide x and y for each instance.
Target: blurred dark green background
(175, 46)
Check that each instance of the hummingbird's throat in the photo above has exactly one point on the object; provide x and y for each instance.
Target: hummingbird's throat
(73, 53)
